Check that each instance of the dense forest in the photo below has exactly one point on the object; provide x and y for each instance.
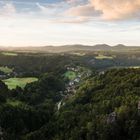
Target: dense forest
(90, 97)
(104, 107)
(38, 63)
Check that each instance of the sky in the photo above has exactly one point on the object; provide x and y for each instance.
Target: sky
(62, 22)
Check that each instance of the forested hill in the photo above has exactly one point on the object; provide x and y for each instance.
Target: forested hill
(104, 107)
(76, 47)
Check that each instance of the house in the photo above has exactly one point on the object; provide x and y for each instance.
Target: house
(71, 83)
(77, 80)
(79, 75)
(102, 73)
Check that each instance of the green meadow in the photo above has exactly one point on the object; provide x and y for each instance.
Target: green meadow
(70, 75)
(12, 83)
(78, 54)
(6, 70)
(100, 56)
(135, 67)
(9, 53)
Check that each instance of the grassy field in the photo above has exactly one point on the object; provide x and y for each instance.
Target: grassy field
(9, 53)
(100, 56)
(135, 67)
(12, 83)
(78, 54)
(71, 75)
(6, 70)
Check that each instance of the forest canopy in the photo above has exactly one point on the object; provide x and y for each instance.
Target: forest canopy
(104, 107)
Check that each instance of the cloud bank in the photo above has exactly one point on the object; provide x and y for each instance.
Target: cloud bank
(78, 10)
(117, 9)
(108, 9)
(7, 9)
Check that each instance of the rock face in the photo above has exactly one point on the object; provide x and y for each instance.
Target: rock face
(111, 118)
(139, 108)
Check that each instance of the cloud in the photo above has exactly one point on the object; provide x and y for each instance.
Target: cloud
(74, 11)
(75, 2)
(82, 11)
(76, 20)
(63, 12)
(108, 9)
(54, 9)
(117, 9)
(42, 8)
(71, 1)
(7, 9)
(69, 11)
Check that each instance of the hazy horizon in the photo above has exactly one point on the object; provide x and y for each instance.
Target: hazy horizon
(100, 44)
(62, 22)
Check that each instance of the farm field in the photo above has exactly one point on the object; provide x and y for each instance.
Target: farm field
(12, 83)
(9, 53)
(135, 67)
(70, 75)
(78, 54)
(100, 56)
(6, 70)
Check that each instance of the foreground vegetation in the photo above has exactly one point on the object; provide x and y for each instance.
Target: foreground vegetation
(6, 70)
(70, 97)
(105, 107)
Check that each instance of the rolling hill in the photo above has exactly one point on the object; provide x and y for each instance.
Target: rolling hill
(67, 48)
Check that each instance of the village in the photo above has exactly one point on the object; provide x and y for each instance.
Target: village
(75, 75)
(80, 74)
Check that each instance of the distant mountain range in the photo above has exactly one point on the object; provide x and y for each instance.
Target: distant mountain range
(69, 48)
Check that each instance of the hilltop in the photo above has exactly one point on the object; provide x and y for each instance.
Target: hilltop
(76, 47)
